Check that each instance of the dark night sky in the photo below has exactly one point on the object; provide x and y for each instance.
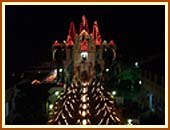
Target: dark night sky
(30, 30)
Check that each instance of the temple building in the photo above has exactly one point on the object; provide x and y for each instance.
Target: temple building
(84, 49)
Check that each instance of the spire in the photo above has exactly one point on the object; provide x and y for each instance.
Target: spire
(84, 24)
(72, 30)
(96, 34)
(71, 34)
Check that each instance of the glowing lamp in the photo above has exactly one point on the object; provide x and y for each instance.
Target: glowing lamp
(129, 121)
(140, 82)
(113, 93)
(136, 64)
(60, 70)
(51, 106)
(107, 70)
(56, 93)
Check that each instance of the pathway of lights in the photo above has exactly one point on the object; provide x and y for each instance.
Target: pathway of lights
(84, 105)
(74, 106)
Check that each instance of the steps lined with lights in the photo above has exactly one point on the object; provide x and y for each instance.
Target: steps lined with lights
(85, 104)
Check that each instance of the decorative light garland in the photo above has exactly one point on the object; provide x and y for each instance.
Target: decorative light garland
(69, 100)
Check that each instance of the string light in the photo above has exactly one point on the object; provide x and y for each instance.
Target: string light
(76, 85)
(71, 100)
(66, 108)
(62, 115)
(97, 106)
(97, 98)
(112, 102)
(112, 118)
(55, 108)
(102, 87)
(75, 96)
(114, 113)
(78, 121)
(103, 108)
(93, 83)
(117, 118)
(55, 113)
(66, 121)
(94, 95)
(101, 121)
(107, 121)
(50, 121)
(98, 89)
(98, 112)
(72, 107)
(88, 111)
(59, 123)
(70, 115)
(105, 113)
(74, 90)
(93, 89)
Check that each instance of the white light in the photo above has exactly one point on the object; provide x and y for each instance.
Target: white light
(140, 82)
(84, 54)
(129, 121)
(84, 106)
(57, 93)
(113, 93)
(85, 83)
(84, 90)
(136, 64)
(84, 122)
(51, 106)
(83, 113)
(107, 70)
(60, 70)
(84, 98)
(98, 89)
(74, 90)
